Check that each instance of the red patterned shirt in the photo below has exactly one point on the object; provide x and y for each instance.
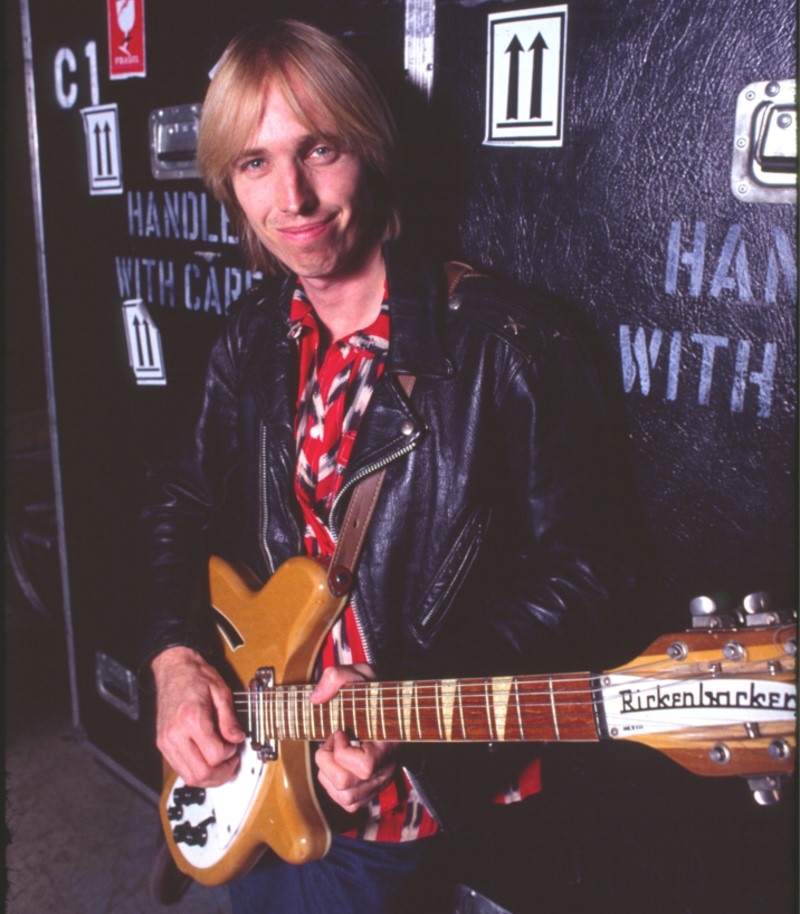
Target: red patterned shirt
(335, 387)
(334, 390)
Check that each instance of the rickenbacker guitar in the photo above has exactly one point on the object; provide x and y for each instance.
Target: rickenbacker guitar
(717, 701)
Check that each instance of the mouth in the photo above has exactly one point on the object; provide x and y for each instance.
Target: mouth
(309, 231)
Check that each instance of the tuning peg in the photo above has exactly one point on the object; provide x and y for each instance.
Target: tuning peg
(758, 602)
(766, 790)
(703, 606)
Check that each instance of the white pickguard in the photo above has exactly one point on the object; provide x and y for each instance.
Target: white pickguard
(228, 807)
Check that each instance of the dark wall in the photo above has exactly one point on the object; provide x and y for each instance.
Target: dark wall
(701, 353)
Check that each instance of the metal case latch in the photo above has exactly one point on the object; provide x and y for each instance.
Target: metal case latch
(173, 142)
(764, 166)
(117, 685)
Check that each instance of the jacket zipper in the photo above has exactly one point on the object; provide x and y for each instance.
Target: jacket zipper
(455, 580)
(368, 651)
(372, 468)
(263, 511)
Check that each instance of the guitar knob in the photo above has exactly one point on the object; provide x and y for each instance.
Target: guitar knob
(175, 813)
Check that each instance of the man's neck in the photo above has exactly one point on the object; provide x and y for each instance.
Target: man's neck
(351, 301)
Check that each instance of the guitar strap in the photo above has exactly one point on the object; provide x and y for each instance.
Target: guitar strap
(365, 494)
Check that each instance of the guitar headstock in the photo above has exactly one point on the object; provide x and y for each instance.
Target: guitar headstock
(719, 699)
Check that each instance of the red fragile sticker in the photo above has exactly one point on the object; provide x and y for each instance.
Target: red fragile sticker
(126, 39)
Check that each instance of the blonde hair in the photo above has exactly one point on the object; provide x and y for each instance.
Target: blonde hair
(321, 81)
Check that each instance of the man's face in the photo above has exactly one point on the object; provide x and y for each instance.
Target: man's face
(306, 200)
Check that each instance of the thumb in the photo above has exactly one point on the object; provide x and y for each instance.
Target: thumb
(227, 722)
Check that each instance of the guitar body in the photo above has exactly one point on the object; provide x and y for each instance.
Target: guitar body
(270, 803)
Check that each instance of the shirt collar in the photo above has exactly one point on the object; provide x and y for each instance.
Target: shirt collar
(373, 339)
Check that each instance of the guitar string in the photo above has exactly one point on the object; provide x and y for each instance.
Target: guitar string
(755, 668)
(531, 681)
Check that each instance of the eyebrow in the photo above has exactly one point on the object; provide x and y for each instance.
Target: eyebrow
(305, 141)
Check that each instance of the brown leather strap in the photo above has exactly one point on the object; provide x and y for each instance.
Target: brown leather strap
(356, 521)
(365, 494)
(456, 270)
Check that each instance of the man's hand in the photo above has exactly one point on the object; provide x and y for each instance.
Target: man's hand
(351, 773)
(196, 728)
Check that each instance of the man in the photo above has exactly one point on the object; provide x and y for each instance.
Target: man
(488, 551)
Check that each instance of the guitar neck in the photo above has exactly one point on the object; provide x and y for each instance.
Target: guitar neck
(500, 709)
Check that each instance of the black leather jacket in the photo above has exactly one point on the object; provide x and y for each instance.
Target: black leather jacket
(490, 549)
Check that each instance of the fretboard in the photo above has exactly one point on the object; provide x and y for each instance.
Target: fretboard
(499, 709)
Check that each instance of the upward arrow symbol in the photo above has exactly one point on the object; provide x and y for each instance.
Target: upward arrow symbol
(512, 106)
(538, 47)
(98, 149)
(107, 131)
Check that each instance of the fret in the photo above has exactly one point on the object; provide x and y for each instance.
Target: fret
(317, 729)
(501, 687)
(304, 710)
(373, 690)
(519, 710)
(553, 707)
(291, 695)
(383, 718)
(437, 685)
(459, 694)
(447, 707)
(406, 699)
(486, 685)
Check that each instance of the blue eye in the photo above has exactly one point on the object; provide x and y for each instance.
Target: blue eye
(323, 151)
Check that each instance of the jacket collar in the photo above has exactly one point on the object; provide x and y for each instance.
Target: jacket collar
(417, 296)
(417, 301)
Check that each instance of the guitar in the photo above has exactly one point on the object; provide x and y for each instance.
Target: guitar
(718, 702)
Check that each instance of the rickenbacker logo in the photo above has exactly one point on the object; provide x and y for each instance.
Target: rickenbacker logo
(646, 705)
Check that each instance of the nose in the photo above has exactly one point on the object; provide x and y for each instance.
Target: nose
(295, 192)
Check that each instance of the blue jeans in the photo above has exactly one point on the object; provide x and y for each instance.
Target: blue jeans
(355, 877)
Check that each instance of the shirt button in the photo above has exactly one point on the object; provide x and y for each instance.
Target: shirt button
(407, 428)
